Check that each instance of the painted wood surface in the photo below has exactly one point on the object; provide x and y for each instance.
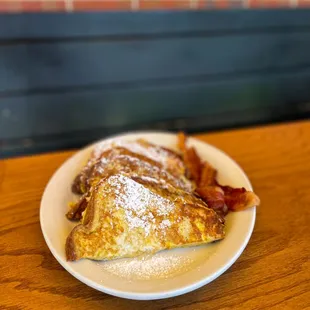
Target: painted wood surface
(63, 74)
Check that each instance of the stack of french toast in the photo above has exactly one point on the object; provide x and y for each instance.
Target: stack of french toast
(138, 198)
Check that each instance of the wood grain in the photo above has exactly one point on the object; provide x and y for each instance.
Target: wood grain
(272, 273)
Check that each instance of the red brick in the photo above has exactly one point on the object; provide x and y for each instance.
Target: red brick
(10, 6)
(164, 4)
(303, 3)
(56, 5)
(101, 5)
(222, 4)
(31, 5)
(150, 5)
(269, 3)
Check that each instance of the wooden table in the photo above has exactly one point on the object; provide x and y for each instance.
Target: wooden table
(272, 272)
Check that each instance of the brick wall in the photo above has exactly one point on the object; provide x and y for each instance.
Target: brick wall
(127, 5)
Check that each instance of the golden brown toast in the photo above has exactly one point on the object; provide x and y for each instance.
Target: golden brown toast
(164, 186)
(155, 156)
(125, 218)
(120, 160)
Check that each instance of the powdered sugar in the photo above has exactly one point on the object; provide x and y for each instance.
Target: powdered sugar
(141, 147)
(159, 266)
(141, 205)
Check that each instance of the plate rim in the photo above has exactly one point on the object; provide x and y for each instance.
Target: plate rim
(146, 295)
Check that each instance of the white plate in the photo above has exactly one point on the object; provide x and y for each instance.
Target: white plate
(168, 273)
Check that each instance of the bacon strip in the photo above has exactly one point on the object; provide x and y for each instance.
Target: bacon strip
(181, 142)
(191, 159)
(193, 164)
(214, 197)
(208, 175)
(238, 199)
(218, 197)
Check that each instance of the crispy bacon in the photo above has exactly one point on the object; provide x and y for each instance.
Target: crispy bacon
(238, 199)
(193, 164)
(214, 197)
(181, 142)
(218, 197)
(208, 175)
(191, 159)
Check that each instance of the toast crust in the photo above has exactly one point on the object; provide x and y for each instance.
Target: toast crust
(154, 155)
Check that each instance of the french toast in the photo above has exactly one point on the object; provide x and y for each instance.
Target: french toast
(121, 160)
(127, 217)
(154, 155)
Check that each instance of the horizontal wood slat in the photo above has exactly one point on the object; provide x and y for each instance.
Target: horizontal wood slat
(54, 113)
(96, 24)
(76, 64)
